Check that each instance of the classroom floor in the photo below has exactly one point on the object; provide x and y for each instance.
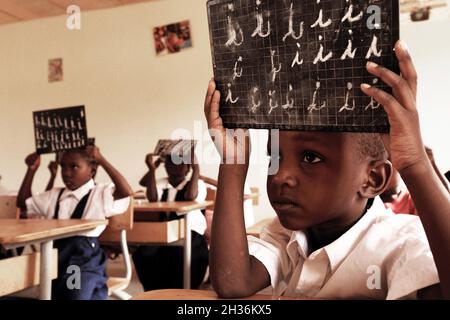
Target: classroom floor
(116, 268)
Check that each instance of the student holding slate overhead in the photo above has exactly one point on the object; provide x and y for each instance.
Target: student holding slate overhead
(81, 198)
(333, 237)
(160, 267)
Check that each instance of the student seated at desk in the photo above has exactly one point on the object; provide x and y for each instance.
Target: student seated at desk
(160, 267)
(80, 199)
(333, 237)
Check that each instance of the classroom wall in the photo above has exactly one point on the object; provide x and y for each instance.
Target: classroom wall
(133, 98)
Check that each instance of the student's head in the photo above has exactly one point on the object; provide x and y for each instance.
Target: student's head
(77, 168)
(175, 172)
(325, 179)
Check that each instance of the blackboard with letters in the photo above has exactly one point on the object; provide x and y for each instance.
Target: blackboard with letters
(299, 64)
(60, 129)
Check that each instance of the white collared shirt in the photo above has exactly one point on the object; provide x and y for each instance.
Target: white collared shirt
(383, 256)
(100, 204)
(197, 219)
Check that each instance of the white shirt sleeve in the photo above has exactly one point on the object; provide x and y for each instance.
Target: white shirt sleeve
(201, 196)
(39, 205)
(412, 269)
(113, 207)
(271, 251)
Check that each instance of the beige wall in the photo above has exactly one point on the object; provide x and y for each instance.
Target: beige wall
(133, 97)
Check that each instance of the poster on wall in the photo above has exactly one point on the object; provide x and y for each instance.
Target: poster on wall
(172, 38)
(55, 70)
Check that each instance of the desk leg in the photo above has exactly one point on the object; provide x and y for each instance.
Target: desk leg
(45, 287)
(187, 252)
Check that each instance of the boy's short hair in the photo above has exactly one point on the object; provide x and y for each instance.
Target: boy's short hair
(85, 155)
(370, 145)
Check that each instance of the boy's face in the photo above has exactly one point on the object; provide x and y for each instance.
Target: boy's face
(75, 170)
(318, 179)
(176, 171)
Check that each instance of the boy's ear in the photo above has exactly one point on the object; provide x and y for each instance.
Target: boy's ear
(94, 168)
(377, 179)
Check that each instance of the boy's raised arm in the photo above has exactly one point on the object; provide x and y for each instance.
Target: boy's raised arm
(33, 161)
(192, 185)
(150, 178)
(53, 168)
(435, 167)
(123, 189)
(408, 155)
(234, 273)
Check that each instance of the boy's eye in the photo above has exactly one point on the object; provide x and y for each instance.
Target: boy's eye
(310, 158)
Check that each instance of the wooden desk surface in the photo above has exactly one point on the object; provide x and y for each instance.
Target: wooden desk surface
(184, 294)
(13, 231)
(256, 229)
(252, 195)
(176, 206)
(139, 195)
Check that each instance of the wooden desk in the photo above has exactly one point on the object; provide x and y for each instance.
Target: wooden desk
(183, 294)
(140, 195)
(180, 207)
(18, 233)
(256, 229)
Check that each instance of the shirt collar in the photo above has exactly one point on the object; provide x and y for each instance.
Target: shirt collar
(80, 192)
(340, 248)
(178, 188)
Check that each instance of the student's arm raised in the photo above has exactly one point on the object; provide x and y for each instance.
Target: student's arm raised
(408, 155)
(150, 178)
(33, 162)
(430, 155)
(53, 168)
(123, 189)
(234, 273)
(192, 186)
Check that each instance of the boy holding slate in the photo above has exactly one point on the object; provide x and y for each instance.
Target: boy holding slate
(81, 198)
(160, 267)
(333, 237)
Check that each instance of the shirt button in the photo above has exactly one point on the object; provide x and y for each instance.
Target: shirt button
(93, 245)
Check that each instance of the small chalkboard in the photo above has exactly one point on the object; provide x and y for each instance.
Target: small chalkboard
(299, 64)
(167, 147)
(60, 129)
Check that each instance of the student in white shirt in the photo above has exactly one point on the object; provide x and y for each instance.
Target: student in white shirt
(160, 267)
(80, 199)
(334, 238)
